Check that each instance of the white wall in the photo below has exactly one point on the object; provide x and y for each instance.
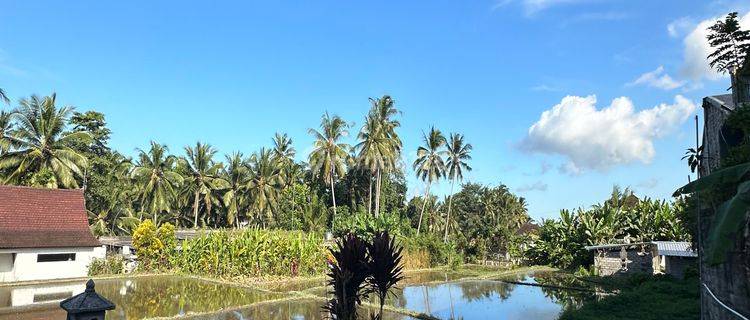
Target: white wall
(6, 267)
(26, 267)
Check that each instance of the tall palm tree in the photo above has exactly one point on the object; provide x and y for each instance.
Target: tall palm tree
(283, 153)
(380, 145)
(430, 166)
(328, 158)
(158, 181)
(41, 145)
(202, 177)
(237, 175)
(458, 156)
(264, 185)
(6, 126)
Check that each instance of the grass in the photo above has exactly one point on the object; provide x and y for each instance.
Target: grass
(643, 297)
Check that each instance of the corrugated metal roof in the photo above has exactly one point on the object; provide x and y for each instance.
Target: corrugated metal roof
(674, 248)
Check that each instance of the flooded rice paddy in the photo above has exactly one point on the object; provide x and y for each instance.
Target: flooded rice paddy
(440, 294)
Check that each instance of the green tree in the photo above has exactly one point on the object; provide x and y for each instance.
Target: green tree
(158, 181)
(202, 177)
(283, 153)
(264, 185)
(458, 156)
(328, 158)
(237, 175)
(6, 126)
(429, 165)
(380, 145)
(43, 152)
(731, 44)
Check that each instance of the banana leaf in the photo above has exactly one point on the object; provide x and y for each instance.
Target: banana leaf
(732, 174)
(729, 220)
(730, 216)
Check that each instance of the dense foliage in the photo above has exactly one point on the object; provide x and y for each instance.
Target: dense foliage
(561, 241)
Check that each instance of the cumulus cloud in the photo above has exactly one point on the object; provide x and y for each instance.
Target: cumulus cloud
(536, 186)
(657, 79)
(591, 138)
(678, 27)
(695, 65)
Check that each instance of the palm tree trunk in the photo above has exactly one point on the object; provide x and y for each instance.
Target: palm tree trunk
(377, 194)
(450, 203)
(369, 198)
(195, 210)
(207, 200)
(333, 192)
(424, 203)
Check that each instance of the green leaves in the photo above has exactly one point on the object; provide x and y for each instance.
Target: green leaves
(730, 175)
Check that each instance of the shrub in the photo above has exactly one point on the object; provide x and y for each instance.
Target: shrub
(107, 266)
(438, 252)
(366, 225)
(154, 246)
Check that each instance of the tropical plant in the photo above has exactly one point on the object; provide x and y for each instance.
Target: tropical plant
(731, 215)
(384, 265)
(202, 178)
(157, 180)
(347, 274)
(42, 149)
(237, 176)
(283, 153)
(6, 127)
(694, 156)
(328, 158)
(731, 44)
(429, 165)
(458, 156)
(264, 185)
(380, 145)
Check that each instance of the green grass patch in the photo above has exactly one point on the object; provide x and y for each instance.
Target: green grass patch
(643, 297)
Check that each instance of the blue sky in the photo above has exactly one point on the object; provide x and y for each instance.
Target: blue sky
(233, 73)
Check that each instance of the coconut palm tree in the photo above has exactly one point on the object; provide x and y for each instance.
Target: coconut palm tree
(283, 153)
(6, 126)
(458, 157)
(328, 158)
(202, 177)
(237, 175)
(430, 166)
(157, 178)
(41, 147)
(264, 185)
(380, 145)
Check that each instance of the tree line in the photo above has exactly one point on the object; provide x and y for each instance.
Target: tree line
(44, 145)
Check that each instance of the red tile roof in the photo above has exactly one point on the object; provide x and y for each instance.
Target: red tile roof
(43, 218)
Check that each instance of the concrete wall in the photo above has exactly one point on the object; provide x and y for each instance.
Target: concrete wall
(609, 263)
(26, 268)
(713, 117)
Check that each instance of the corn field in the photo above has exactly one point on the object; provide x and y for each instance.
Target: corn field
(252, 252)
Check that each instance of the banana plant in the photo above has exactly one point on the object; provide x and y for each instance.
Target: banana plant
(731, 215)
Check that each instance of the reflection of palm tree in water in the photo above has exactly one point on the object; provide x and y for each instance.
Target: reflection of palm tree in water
(450, 296)
(426, 299)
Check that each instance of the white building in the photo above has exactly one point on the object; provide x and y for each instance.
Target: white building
(44, 234)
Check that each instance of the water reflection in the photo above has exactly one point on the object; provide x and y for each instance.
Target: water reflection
(309, 309)
(482, 299)
(136, 298)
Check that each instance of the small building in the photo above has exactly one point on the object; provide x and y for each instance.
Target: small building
(656, 257)
(44, 234)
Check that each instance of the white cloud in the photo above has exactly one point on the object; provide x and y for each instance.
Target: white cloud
(591, 138)
(695, 64)
(536, 186)
(544, 87)
(657, 79)
(678, 27)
